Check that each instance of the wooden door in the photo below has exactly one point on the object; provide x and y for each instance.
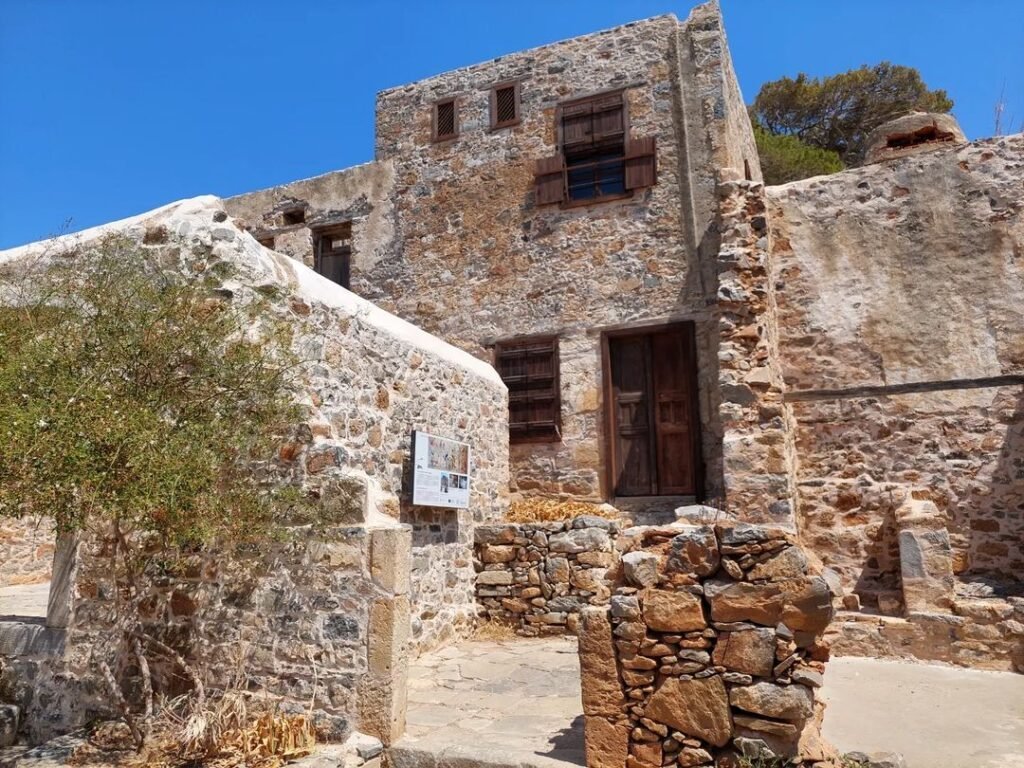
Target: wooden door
(653, 414)
(631, 403)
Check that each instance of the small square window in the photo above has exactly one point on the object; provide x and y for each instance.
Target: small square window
(505, 107)
(445, 124)
(294, 216)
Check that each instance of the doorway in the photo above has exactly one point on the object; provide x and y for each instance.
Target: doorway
(652, 417)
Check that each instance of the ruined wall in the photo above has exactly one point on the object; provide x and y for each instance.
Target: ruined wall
(901, 315)
(539, 576)
(360, 195)
(711, 647)
(26, 552)
(329, 606)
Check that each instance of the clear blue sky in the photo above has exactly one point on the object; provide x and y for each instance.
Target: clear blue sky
(111, 107)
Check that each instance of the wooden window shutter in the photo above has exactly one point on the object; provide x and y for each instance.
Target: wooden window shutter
(504, 105)
(550, 180)
(641, 162)
(608, 119)
(529, 367)
(444, 123)
(577, 125)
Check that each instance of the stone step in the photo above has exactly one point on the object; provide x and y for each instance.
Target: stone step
(30, 638)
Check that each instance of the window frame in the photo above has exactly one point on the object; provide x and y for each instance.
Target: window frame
(568, 201)
(516, 86)
(435, 137)
(325, 231)
(509, 347)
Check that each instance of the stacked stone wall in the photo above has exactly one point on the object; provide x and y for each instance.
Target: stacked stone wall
(712, 645)
(26, 551)
(539, 576)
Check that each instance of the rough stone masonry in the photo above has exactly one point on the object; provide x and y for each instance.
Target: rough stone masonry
(711, 647)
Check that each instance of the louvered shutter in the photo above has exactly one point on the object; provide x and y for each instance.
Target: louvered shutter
(607, 118)
(641, 163)
(577, 125)
(550, 180)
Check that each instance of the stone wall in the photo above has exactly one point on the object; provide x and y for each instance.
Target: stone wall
(327, 614)
(539, 576)
(711, 646)
(901, 316)
(26, 552)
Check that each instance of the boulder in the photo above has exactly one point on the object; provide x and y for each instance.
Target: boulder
(602, 692)
(580, 540)
(750, 652)
(640, 568)
(742, 601)
(607, 742)
(694, 552)
(672, 611)
(789, 563)
(698, 708)
(783, 702)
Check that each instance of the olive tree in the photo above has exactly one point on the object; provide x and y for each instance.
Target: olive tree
(139, 408)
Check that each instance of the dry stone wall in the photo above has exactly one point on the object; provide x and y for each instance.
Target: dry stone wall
(26, 551)
(539, 576)
(712, 645)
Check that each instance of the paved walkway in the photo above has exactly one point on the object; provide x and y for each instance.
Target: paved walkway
(25, 600)
(517, 703)
(514, 703)
(937, 716)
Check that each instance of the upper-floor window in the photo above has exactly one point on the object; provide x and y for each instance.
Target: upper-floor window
(529, 368)
(598, 159)
(505, 109)
(333, 253)
(444, 123)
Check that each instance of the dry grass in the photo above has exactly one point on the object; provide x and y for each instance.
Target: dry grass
(231, 731)
(495, 630)
(538, 510)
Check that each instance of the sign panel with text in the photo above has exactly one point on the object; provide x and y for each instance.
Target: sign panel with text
(440, 471)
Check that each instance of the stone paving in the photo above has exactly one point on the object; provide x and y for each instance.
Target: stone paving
(508, 703)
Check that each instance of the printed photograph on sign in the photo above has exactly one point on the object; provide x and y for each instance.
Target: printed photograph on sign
(440, 475)
(447, 455)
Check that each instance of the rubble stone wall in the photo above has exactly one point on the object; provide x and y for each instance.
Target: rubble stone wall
(26, 551)
(539, 576)
(329, 606)
(901, 317)
(711, 645)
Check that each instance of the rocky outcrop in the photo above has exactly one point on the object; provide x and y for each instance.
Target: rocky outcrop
(716, 652)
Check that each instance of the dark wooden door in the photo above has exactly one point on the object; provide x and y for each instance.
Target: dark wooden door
(631, 404)
(655, 448)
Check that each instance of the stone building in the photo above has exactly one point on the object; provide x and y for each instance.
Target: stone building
(841, 356)
(553, 212)
(587, 217)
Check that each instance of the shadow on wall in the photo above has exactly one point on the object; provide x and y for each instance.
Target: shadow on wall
(996, 506)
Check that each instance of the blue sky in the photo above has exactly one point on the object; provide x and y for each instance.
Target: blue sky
(111, 107)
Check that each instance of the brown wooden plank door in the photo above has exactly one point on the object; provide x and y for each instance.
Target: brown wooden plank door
(673, 369)
(653, 411)
(631, 412)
